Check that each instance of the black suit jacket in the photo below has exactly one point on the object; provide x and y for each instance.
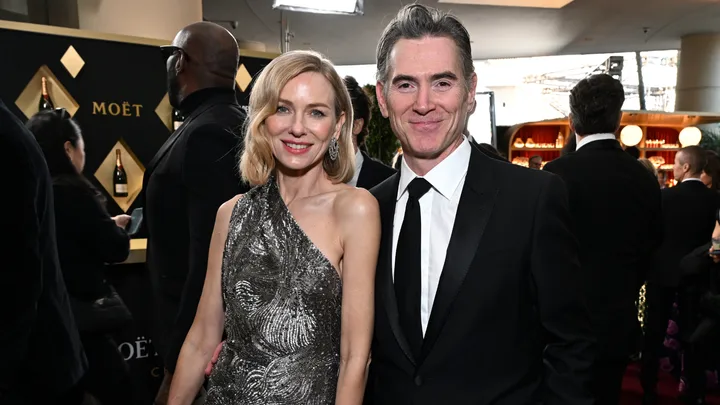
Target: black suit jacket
(372, 172)
(508, 325)
(616, 208)
(689, 211)
(42, 354)
(88, 238)
(192, 174)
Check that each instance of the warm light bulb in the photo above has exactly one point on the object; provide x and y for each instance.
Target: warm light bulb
(631, 135)
(690, 136)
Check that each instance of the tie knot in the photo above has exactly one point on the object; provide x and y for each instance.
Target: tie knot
(418, 187)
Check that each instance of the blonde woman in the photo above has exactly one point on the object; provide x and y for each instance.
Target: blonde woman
(648, 165)
(292, 262)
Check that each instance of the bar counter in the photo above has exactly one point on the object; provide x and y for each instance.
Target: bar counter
(138, 250)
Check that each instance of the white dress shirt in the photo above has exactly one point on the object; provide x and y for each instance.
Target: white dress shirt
(592, 138)
(438, 208)
(358, 165)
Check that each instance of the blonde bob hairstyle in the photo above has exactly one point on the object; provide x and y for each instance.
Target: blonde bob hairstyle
(257, 162)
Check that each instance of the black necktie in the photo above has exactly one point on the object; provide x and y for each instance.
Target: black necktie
(407, 267)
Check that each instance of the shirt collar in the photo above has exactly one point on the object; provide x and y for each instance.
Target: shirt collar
(592, 138)
(358, 160)
(446, 176)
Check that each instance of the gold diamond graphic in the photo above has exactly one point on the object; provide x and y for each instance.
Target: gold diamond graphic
(133, 168)
(29, 98)
(164, 112)
(243, 77)
(72, 61)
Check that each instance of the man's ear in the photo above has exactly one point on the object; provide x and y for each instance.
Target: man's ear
(358, 126)
(382, 103)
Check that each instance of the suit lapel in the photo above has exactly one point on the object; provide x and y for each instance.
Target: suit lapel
(384, 284)
(474, 210)
(364, 172)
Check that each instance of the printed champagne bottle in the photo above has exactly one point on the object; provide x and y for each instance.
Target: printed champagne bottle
(120, 182)
(45, 101)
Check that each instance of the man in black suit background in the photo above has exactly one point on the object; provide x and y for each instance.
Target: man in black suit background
(43, 360)
(616, 208)
(368, 171)
(477, 286)
(688, 221)
(192, 174)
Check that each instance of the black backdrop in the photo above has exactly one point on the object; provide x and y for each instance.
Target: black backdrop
(115, 71)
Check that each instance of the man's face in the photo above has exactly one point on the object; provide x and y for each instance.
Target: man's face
(425, 96)
(679, 169)
(173, 82)
(176, 61)
(535, 163)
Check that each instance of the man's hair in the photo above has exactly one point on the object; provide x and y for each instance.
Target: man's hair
(360, 104)
(695, 157)
(416, 21)
(536, 156)
(595, 105)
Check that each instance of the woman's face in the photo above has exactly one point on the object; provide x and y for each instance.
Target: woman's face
(76, 154)
(304, 122)
(706, 179)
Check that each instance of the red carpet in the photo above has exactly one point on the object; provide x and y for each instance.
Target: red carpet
(667, 389)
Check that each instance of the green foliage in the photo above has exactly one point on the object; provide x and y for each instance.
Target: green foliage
(710, 137)
(381, 142)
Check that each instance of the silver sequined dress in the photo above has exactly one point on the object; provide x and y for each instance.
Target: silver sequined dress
(282, 310)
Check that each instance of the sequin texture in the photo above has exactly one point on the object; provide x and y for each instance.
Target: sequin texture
(282, 301)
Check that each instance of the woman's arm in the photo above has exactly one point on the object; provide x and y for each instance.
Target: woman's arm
(207, 328)
(359, 218)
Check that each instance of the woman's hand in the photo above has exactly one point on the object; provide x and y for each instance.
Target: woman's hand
(122, 220)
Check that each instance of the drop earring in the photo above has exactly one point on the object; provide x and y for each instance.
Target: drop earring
(334, 149)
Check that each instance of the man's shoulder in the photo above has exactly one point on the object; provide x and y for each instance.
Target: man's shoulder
(221, 115)
(509, 172)
(387, 188)
(378, 165)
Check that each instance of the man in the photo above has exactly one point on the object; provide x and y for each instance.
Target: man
(535, 162)
(688, 220)
(615, 205)
(43, 359)
(191, 175)
(368, 171)
(477, 298)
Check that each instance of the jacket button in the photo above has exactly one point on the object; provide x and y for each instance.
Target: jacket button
(418, 380)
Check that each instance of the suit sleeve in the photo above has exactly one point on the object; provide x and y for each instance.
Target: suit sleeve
(569, 343)
(210, 177)
(655, 234)
(22, 271)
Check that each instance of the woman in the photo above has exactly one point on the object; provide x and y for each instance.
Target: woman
(647, 164)
(87, 238)
(292, 262)
(710, 175)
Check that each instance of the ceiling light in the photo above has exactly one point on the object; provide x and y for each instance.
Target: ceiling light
(690, 136)
(631, 135)
(321, 6)
(512, 3)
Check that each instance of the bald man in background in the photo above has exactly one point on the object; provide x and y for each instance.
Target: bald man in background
(192, 174)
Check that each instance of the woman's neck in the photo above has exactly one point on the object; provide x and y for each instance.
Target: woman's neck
(298, 185)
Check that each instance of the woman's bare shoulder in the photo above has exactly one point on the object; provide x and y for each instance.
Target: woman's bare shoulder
(225, 211)
(353, 203)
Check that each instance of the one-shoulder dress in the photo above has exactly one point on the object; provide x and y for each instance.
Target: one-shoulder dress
(282, 301)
